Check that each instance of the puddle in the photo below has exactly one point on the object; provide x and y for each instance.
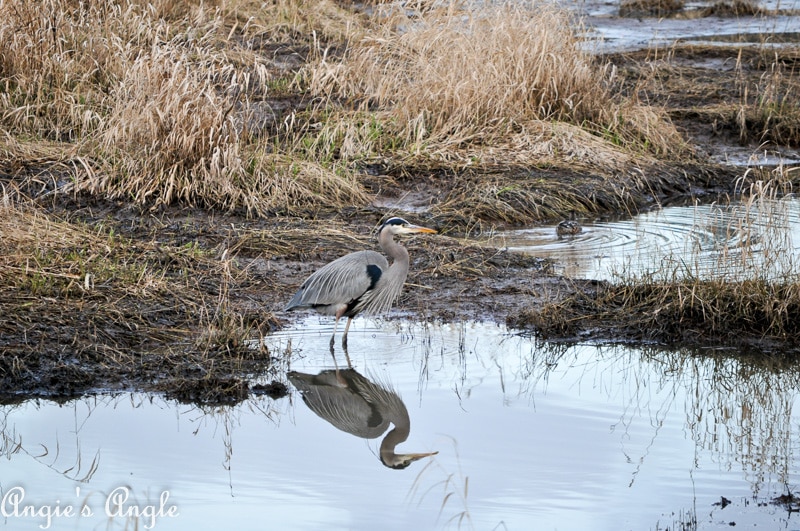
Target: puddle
(584, 437)
(702, 241)
(607, 32)
(772, 158)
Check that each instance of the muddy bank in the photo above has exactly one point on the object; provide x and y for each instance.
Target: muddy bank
(219, 280)
(165, 300)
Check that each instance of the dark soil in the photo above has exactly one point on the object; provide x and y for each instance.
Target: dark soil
(64, 348)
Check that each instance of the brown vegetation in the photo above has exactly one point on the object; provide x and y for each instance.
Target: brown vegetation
(165, 167)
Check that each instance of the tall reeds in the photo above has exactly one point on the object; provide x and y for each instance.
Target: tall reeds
(156, 101)
(769, 110)
(480, 74)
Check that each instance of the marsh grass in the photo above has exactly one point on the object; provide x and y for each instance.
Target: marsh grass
(84, 306)
(677, 9)
(475, 82)
(156, 100)
(734, 8)
(749, 295)
(210, 105)
(650, 8)
(768, 110)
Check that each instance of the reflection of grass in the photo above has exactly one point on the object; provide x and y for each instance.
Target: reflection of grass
(683, 521)
(739, 407)
(454, 488)
(11, 444)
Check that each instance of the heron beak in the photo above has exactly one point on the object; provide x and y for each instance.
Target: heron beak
(417, 457)
(417, 228)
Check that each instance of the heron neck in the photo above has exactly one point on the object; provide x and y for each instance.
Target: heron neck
(394, 250)
(396, 436)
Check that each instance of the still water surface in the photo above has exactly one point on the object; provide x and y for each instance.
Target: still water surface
(529, 436)
(739, 239)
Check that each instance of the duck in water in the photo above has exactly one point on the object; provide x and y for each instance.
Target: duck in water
(568, 228)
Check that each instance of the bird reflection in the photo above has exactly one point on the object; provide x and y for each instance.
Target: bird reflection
(356, 405)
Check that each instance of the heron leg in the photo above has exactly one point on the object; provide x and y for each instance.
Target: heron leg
(339, 314)
(344, 341)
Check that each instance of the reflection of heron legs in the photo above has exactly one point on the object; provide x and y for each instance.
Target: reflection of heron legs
(344, 341)
(333, 355)
(346, 355)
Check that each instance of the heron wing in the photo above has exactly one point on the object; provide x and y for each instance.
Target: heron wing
(343, 407)
(341, 281)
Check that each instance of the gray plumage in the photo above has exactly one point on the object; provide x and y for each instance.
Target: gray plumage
(356, 405)
(360, 282)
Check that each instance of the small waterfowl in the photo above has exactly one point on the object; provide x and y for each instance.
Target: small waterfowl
(568, 227)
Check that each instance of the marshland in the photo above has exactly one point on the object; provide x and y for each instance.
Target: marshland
(171, 171)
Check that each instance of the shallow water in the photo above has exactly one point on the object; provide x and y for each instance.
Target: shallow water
(607, 32)
(736, 240)
(529, 436)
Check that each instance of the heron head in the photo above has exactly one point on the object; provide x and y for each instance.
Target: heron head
(400, 226)
(401, 461)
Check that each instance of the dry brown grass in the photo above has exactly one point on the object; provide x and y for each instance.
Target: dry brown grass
(475, 82)
(734, 8)
(170, 102)
(768, 110)
(752, 312)
(649, 8)
(156, 100)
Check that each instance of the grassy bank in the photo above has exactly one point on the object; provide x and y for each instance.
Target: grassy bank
(277, 109)
(747, 295)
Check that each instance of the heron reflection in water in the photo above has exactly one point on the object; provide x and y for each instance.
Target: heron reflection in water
(356, 405)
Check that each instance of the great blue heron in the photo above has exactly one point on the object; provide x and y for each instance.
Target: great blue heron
(360, 407)
(359, 282)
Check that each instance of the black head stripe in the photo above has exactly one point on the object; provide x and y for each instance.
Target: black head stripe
(394, 221)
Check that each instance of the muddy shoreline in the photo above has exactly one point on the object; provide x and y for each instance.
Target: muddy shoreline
(76, 339)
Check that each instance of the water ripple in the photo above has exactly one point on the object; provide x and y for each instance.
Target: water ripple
(703, 240)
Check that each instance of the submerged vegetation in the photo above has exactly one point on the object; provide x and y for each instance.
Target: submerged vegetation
(168, 168)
